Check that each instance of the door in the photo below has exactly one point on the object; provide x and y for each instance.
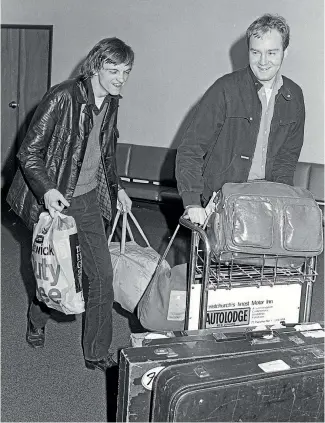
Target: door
(25, 77)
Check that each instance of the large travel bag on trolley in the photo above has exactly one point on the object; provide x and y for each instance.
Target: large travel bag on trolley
(285, 384)
(260, 217)
(139, 366)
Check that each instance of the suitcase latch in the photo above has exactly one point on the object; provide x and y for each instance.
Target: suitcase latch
(201, 372)
(165, 351)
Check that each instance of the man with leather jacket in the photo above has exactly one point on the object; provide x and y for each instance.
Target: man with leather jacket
(249, 125)
(68, 164)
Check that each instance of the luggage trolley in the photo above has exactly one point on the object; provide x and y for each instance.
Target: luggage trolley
(226, 293)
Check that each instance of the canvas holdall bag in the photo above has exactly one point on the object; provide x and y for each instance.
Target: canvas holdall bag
(133, 265)
(163, 304)
(254, 219)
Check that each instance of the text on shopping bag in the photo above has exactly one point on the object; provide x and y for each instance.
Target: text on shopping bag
(47, 269)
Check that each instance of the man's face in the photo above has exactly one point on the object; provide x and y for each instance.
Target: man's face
(266, 56)
(110, 79)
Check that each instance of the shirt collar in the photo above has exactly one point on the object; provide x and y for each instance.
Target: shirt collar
(278, 84)
(91, 97)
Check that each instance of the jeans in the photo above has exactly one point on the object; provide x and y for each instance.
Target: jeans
(97, 266)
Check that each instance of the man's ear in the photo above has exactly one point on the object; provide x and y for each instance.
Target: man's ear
(285, 53)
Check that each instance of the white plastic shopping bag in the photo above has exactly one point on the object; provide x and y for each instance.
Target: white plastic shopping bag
(57, 263)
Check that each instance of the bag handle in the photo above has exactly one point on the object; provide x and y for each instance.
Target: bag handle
(162, 258)
(126, 228)
(123, 238)
(114, 226)
(139, 228)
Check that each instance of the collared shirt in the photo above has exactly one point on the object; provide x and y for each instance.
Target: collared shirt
(267, 98)
(87, 180)
(91, 98)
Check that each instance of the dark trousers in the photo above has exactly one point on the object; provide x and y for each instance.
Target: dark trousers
(97, 266)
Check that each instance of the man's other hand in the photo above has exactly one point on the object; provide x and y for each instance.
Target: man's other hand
(196, 214)
(124, 203)
(54, 201)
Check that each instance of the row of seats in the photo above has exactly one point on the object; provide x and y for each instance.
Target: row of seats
(149, 174)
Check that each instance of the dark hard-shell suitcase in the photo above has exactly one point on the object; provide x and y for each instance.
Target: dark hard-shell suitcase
(139, 366)
(221, 333)
(286, 384)
(170, 337)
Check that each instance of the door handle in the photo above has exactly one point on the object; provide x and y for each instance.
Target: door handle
(13, 105)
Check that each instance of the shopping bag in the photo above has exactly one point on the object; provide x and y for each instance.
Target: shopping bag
(57, 263)
(163, 305)
(133, 265)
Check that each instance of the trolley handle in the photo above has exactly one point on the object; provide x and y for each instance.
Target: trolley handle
(190, 225)
(194, 227)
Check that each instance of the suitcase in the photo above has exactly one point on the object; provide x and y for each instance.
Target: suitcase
(171, 337)
(222, 333)
(286, 384)
(138, 366)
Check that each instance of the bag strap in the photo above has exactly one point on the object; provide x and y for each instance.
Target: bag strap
(162, 258)
(138, 227)
(123, 238)
(114, 226)
(126, 228)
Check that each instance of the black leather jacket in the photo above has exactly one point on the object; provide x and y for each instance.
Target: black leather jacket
(219, 144)
(52, 152)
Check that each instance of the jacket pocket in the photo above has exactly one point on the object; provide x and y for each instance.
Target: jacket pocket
(239, 116)
(282, 124)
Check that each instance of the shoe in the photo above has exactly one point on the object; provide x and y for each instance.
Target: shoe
(35, 336)
(103, 364)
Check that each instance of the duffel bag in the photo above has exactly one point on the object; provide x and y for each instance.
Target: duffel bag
(133, 265)
(163, 304)
(254, 219)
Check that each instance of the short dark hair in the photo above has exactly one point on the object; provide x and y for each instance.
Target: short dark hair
(267, 22)
(109, 50)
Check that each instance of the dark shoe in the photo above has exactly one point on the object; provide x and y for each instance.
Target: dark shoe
(103, 364)
(34, 336)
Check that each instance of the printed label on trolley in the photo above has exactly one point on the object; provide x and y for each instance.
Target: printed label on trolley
(228, 317)
(247, 306)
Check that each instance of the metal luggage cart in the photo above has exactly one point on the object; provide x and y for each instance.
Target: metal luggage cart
(214, 273)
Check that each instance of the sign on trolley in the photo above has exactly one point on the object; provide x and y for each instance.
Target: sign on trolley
(247, 306)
